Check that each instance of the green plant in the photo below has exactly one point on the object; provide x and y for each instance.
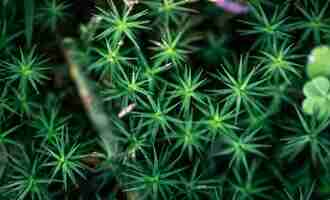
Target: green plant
(52, 13)
(128, 85)
(217, 49)
(318, 64)
(156, 114)
(133, 138)
(169, 10)
(64, 160)
(189, 137)
(301, 194)
(5, 103)
(23, 104)
(268, 27)
(118, 25)
(248, 186)
(218, 118)
(198, 185)
(317, 97)
(152, 72)
(29, 15)
(6, 38)
(239, 147)
(309, 136)
(164, 99)
(4, 140)
(173, 47)
(109, 59)
(279, 63)
(48, 124)
(25, 180)
(315, 22)
(187, 89)
(28, 70)
(155, 176)
(241, 89)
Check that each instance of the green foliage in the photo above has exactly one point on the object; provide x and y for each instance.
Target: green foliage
(239, 147)
(29, 15)
(268, 28)
(318, 62)
(48, 124)
(279, 63)
(187, 89)
(24, 104)
(301, 195)
(27, 70)
(219, 119)
(216, 49)
(189, 137)
(52, 13)
(317, 97)
(118, 25)
(25, 181)
(152, 72)
(164, 99)
(314, 21)
(109, 59)
(154, 177)
(129, 85)
(169, 10)
(4, 134)
(5, 104)
(248, 186)
(157, 114)
(241, 87)
(133, 138)
(64, 159)
(6, 38)
(309, 136)
(198, 185)
(173, 47)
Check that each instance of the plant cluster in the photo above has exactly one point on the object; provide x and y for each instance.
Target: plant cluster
(164, 99)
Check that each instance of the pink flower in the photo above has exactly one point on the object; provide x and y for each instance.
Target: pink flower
(233, 7)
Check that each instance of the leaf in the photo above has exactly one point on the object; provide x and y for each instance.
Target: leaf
(28, 20)
(311, 105)
(317, 87)
(319, 62)
(3, 159)
(317, 100)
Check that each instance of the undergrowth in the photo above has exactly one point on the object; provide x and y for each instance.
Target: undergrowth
(164, 99)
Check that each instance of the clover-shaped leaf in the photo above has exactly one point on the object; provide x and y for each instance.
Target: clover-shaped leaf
(319, 62)
(317, 95)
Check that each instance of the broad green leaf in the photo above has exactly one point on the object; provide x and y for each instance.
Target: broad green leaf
(317, 87)
(317, 100)
(319, 62)
(312, 105)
